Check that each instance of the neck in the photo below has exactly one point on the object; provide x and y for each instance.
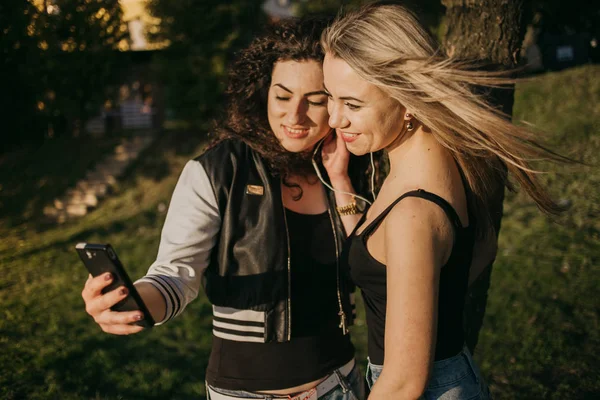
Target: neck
(309, 179)
(402, 146)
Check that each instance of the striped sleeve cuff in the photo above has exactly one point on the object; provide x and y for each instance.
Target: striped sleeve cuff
(170, 293)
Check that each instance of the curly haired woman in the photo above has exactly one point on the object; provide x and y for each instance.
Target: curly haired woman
(251, 223)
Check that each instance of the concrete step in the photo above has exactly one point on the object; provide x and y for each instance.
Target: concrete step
(98, 182)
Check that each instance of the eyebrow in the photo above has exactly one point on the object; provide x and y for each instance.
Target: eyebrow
(316, 92)
(343, 98)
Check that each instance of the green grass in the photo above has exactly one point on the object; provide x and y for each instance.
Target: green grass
(541, 333)
(540, 338)
(33, 176)
(50, 347)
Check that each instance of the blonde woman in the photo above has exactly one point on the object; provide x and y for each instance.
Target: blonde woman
(390, 87)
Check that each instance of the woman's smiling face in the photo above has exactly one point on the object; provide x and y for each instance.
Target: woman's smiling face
(297, 104)
(367, 118)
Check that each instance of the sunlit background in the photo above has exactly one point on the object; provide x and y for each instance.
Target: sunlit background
(102, 103)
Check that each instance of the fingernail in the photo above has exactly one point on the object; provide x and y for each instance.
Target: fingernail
(139, 317)
(123, 291)
(108, 277)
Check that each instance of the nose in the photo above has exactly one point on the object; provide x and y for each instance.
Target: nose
(336, 116)
(297, 112)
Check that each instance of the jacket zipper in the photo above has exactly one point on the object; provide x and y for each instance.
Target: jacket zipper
(289, 269)
(341, 313)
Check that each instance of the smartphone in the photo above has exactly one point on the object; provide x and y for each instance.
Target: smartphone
(101, 258)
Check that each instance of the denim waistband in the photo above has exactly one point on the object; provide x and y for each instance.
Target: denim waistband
(331, 381)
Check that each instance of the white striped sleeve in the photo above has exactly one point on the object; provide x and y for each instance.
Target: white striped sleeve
(188, 236)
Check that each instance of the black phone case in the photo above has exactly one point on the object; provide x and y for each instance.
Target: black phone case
(101, 258)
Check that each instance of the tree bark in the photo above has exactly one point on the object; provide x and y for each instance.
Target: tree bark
(491, 32)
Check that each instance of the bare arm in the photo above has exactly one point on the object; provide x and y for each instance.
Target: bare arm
(418, 240)
(153, 300)
(335, 160)
(341, 199)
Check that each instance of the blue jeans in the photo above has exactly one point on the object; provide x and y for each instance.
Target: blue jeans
(351, 387)
(454, 378)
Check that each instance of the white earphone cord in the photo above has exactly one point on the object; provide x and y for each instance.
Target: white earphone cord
(316, 168)
(372, 177)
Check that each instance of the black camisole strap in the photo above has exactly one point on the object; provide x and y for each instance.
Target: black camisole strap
(434, 198)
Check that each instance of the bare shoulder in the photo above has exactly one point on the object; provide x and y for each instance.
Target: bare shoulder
(439, 174)
(417, 223)
(416, 212)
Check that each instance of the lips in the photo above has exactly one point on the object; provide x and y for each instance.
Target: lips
(349, 137)
(295, 133)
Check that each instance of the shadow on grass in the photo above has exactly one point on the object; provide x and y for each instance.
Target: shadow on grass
(122, 367)
(32, 178)
(154, 163)
(143, 219)
(163, 363)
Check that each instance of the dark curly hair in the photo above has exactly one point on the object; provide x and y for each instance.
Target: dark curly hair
(248, 88)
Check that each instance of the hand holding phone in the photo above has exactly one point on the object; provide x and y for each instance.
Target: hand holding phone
(112, 309)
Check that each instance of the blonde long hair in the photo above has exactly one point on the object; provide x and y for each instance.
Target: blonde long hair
(388, 47)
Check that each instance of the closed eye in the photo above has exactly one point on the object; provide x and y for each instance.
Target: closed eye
(351, 106)
(282, 98)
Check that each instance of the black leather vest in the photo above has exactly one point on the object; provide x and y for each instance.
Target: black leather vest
(249, 267)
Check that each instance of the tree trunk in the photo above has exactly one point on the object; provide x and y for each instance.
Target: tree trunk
(489, 31)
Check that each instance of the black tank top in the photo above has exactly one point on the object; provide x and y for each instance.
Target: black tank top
(318, 345)
(370, 276)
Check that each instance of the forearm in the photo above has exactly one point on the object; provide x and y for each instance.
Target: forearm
(153, 299)
(343, 184)
(385, 389)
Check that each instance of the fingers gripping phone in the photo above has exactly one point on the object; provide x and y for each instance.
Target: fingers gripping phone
(101, 258)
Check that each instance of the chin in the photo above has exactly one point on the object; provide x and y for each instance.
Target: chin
(296, 147)
(356, 150)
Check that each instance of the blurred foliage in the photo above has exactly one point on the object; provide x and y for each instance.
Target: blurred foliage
(203, 35)
(58, 58)
(575, 16)
(430, 11)
(554, 16)
(19, 85)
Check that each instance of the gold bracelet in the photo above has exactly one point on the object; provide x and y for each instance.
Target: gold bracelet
(348, 209)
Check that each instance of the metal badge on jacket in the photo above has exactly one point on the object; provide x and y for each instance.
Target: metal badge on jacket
(255, 190)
